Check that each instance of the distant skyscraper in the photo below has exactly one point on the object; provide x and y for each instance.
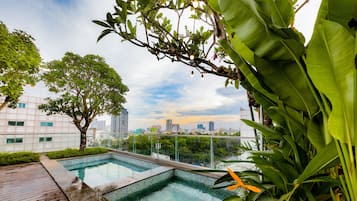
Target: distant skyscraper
(168, 125)
(175, 128)
(119, 124)
(211, 126)
(98, 124)
(200, 126)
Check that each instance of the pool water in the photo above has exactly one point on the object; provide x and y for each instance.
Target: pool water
(104, 171)
(179, 190)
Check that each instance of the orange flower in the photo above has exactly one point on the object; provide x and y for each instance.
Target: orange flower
(239, 183)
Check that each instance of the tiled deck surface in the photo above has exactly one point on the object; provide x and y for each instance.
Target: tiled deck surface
(27, 182)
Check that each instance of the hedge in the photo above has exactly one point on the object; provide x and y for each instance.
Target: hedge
(75, 152)
(18, 157)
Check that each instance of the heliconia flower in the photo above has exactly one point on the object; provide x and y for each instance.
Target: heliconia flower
(239, 183)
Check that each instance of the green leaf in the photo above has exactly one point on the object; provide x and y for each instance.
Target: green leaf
(110, 19)
(236, 84)
(227, 82)
(245, 21)
(104, 33)
(100, 23)
(331, 65)
(132, 29)
(341, 11)
(214, 5)
(246, 70)
(282, 12)
(320, 161)
(314, 133)
(268, 132)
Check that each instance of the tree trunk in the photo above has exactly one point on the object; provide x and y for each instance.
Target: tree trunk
(83, 142)
(3, 104)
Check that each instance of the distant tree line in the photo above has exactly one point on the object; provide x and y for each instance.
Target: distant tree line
(193, 150)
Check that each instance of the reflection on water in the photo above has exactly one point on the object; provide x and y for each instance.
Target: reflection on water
(104, 171)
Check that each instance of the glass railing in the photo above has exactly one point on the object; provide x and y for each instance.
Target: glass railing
(202, 150)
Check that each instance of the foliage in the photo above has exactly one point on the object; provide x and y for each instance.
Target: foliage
(19, 63)
(87, 87)
(75, 152)
(18, 157)
(307, 91)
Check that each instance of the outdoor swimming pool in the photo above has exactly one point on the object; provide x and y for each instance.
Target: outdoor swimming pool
(106, 168)
(121, 177)
(104, 171)
(178, 190)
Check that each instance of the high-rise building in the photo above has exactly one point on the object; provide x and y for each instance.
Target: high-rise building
(200, 126)
(98, 124)
(119, 124)
(211, 126)
(169, 125)
(27, 128)
(175, 128)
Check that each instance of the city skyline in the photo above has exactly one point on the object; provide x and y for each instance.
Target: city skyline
(158, 90)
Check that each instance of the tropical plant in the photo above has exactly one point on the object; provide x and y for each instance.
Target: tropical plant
(19, 63)
(307, 91)
(86, 86)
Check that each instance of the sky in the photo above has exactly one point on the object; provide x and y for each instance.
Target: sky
(159, 90)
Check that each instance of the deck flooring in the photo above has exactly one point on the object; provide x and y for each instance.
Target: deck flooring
(28, 182)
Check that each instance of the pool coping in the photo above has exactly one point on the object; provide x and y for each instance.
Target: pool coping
(72, 186)
(136, 178)
(169, 163)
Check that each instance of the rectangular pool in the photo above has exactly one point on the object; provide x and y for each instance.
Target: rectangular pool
(104, 171)
(178, 190)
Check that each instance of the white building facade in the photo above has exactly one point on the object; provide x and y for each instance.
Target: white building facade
(26, 128)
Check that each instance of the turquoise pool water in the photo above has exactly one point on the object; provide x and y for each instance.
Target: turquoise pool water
(104, 171)
(179, 190)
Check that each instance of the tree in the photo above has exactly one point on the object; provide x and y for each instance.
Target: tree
(19, 64)
(86, 86)
(309, 92)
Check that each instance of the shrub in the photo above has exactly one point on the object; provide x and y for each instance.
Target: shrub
(18, 157)
(75, 152)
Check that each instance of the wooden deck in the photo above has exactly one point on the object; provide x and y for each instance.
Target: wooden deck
(27, 182)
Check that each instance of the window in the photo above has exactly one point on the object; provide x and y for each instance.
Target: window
(15, 123)
(45, 139)
(18, 140)
(50, 124)
(11, 123)
(14, 140)
(10, 140)
(21, 105)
